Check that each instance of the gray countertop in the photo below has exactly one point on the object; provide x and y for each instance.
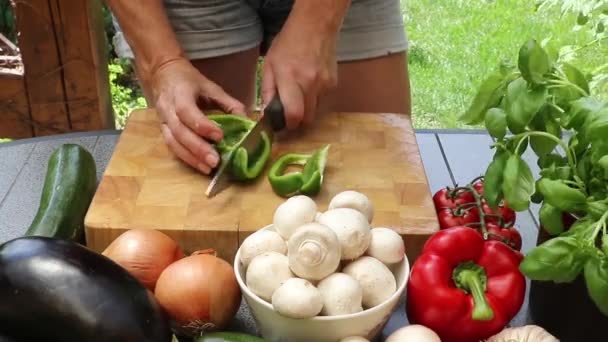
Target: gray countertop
(449, 157)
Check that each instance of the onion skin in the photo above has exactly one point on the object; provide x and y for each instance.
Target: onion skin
(144, 253)
(200, 293)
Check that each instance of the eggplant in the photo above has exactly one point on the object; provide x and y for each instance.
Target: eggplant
(59, 290)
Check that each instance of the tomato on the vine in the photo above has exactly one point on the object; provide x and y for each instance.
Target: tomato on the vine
(478, 186)
(507, 214)
(447, 198)
(449, 217)
(508, 234)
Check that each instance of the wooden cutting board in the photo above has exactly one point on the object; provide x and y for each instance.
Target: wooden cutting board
(145, 186)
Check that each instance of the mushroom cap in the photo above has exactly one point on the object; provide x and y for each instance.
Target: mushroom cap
(377, 281)
(351, 227)
(342, 295)
(354, 200)
(313, 251)
(354, 339)
(414, 332)
(260, 242)
(386, 245)
(297, 298)
(293, 213)
(266, 273)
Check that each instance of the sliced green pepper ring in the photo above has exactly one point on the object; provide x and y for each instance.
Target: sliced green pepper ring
(243, 165)
(306, 182)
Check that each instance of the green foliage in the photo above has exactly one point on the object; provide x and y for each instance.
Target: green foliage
(125, 97)
(7, 20)
(4, 140)
(544, 97)
(450, 57)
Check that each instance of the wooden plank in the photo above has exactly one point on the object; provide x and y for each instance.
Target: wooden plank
(15, 120)
(43, 74)
(435, 166)
(82, 48)
(145, 186)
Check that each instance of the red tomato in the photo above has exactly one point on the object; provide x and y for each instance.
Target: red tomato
(449, 217)
(507, 214)
(444, 199)
(509, 233)
(478, 186)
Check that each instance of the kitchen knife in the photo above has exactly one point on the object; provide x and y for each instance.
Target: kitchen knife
(273, 120)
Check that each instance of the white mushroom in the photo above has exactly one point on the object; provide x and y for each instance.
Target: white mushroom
(532, 333)
(377, 281)
(293, 213)
(297, 298)
(313, 251)
(342, 295)
(352, 228)
(317, 216)
(266, 273)
(386, 245)
(354, 339)
(354, 200)
(260, 242)
(414, 332)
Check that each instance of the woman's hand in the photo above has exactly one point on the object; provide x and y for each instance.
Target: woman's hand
(178, 88)
(301, 62)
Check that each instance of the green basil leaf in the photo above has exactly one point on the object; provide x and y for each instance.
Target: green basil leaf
(583, 168)
(512, 144)
(522, 104)
(567, 93)
(561, 196)
(575, 76)
(596, 209)
(493, 179)
(598, 151)
(603, 165)
(579, 110)
(556, 172)
(559, 259)
(490, 92)
(598, 129)
(583, 229)
(552, 158)
(596, 280)
(496, 122)
(544, 122)
(578, 143)
(533, 62)
(597, 188)
(550, 218)
(605, 244)
(518, 183)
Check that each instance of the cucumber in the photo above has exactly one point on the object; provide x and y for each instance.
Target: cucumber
(69, 186)
(227, 336)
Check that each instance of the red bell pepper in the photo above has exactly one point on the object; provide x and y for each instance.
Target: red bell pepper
(463, 287)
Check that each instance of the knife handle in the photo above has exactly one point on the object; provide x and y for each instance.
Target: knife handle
(276, 113)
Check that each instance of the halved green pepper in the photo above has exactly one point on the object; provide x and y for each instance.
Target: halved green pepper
(243, 165)
(305, 182)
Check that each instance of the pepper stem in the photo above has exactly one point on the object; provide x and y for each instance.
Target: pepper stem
(472, 279)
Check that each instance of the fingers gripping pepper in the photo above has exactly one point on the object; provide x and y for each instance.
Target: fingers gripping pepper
(476, 286)
(243, 165)
(306, 182)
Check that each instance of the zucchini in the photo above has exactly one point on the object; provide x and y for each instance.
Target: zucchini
(61, 291)
(227, 336)
(69, 186)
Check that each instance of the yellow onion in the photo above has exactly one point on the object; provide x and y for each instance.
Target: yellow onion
(144, 253)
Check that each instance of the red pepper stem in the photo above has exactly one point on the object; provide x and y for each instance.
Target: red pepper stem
(472, 278)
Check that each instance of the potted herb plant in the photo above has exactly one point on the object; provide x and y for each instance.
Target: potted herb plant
(545, 104)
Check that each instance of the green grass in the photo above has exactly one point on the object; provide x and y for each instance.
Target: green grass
(456, 43)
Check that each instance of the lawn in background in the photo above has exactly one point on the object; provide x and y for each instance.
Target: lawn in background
(456, 43)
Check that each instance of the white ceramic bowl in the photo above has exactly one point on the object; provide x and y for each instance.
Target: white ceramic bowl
(277, 328)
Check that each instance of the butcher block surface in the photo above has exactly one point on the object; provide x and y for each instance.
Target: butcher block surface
(146, 186)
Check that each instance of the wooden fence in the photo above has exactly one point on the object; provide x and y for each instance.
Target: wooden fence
(64, 86)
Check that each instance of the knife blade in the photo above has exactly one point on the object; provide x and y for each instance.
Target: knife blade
(273, 120)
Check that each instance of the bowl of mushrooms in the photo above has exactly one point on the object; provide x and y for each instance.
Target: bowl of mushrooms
(322, 276)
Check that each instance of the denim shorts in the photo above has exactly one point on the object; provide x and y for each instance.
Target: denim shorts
(211, 28)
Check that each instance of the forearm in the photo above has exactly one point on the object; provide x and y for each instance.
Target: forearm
(148, 32)
(321, 16)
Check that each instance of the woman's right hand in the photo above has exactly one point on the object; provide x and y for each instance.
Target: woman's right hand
(177, 89)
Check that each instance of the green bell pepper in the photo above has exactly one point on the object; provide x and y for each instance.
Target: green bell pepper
(305, 182)
(243, 165)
